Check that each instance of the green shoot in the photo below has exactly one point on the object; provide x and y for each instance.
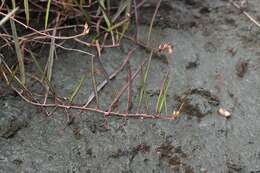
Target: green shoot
(143, 82)
(47, 13)
(77, 88)
(27, 12)
(161, 101)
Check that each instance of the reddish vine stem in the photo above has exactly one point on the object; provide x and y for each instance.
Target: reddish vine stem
(77, 107)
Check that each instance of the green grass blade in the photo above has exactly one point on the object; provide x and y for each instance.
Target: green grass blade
(106, 20)
(120, 9)
(161, 101)
(165, 97)
(146, 101)
(47, 14)
(103, 10)
(108, 3)
(77, 88)
(81, 2)
(36, 63)
(18, 52)
(143, 82)
(27, 12)
(85, 13)
(119, 24)
(124, 29)
(13, 73)
(126, 24)
(13, 76)
(18, 82)
(165, 106)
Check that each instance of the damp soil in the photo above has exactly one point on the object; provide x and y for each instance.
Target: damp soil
(216, 64)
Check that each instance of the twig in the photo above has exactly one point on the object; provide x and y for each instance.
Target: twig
(246, 14)
(91, 44)
(8, 16)
(144, 46)
(136, 20)
(129, 93)
(113, 75)
(76, 107)
(98, 58)
(152, 21)
(41, 33)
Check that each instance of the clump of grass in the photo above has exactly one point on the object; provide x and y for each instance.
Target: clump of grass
(162, 98)
(143, 82)
(107, 24)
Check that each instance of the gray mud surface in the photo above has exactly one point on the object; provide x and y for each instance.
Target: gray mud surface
(216, 64)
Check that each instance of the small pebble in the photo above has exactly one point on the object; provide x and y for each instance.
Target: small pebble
(224, 112)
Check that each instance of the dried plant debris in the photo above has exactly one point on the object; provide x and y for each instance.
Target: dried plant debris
(241, 67)
(212, 99)
(193, 64)
(175, 157)
(96, 125)
(198, 102)
(132, 152)
(231, 50)
(234, 167)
